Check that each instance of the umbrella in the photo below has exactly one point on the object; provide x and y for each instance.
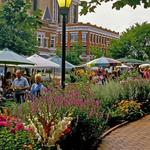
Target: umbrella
(130, 61)
(103, 62)
(57, 60)
(122, 66)
(41, 62)
(9, 57)
(144, 66)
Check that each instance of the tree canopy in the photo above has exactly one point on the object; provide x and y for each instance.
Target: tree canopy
(73, 54)
(18, 26)
(89, 6)
(134, 43)
(96, 52)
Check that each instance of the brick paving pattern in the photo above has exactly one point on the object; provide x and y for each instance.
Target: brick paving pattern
(133, 136)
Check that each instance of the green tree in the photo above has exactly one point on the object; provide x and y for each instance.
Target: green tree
(73, 57)
(132, 43)
(18, 26)
(96, 52)
(89, 6)
(58, 52)
(72, 54)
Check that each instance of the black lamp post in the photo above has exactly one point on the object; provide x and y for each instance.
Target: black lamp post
(64, 6)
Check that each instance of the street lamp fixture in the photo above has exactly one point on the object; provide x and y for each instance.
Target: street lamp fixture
(64, 6)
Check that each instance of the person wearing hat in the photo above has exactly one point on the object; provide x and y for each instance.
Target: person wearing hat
(37, 87)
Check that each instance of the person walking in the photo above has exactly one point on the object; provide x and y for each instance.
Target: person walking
(20, 85)
(37, 87)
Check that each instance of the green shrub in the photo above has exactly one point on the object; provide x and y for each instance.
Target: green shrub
(14, 134)
(128, 75)
(108, 94)
(10, 141)
(139, 90)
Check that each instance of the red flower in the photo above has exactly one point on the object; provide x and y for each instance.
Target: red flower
(13, 130)
(3, 118)
(19, 126)
(67, 130)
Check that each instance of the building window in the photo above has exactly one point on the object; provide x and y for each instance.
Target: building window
(40, 39)
(94, 38)
(52, 41)
(75, 13)
(100, 39)
(46, 42)
(84, 36)
(97, 39)
(35, 5)
(103, 40)
(74, 37)
(55, 10)
(91, 38)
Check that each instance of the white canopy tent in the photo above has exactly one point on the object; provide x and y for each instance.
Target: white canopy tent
(123, 66)
(41, 62)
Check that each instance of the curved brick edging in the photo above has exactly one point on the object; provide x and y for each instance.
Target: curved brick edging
(112, 129)
(128, 136)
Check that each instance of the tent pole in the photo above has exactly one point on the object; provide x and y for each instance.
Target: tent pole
(5, 70)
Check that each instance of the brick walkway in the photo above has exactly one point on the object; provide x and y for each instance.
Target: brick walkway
(133, 136)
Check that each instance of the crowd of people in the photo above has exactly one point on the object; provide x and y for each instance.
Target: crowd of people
(145, 73)
(100, 75)
(19, 85)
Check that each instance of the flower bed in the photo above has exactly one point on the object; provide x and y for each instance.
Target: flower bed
(13, 133)
(90, 109)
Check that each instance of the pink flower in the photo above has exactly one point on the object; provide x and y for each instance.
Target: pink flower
(4, 124)
(19, 126)
(28, 129)
(97, 102)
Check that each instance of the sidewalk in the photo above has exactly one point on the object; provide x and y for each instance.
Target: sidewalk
(133, 136)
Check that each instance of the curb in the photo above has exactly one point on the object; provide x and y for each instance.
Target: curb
(112, 129)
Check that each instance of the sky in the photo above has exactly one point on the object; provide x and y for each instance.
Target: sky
(116, 20)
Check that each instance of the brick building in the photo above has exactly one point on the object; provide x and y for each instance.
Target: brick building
(88, 35)
(49, 35)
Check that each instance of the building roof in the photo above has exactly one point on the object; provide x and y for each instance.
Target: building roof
(47, 15)
(91, 25)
